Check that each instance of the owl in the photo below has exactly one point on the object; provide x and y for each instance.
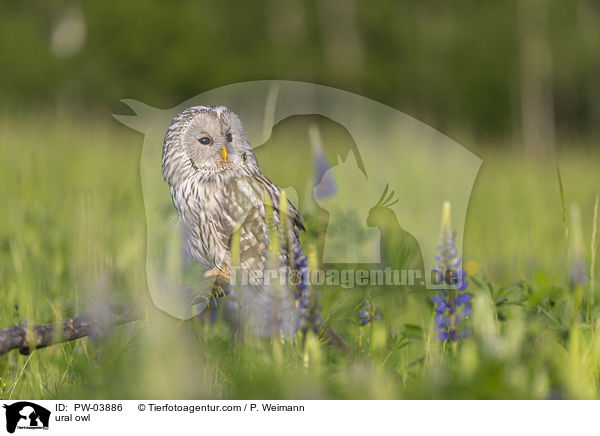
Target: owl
(218, 188)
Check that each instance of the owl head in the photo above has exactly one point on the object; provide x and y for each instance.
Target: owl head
(207, 141)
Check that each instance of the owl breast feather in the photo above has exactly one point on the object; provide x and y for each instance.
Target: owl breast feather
(210, 212)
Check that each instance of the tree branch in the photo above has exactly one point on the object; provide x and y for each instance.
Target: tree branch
(26, 338)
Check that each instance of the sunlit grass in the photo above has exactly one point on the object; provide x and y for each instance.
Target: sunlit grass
(72, 237)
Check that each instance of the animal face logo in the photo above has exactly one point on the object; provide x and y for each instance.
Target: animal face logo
(26, 415)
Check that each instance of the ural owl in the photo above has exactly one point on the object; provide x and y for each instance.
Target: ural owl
(218, 188)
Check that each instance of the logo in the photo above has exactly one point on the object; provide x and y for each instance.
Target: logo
(26, 415)
(372, 180)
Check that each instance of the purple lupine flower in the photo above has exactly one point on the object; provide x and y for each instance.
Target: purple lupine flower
(309, 310)
(365, 316)
(324, 183)
(368, 312)
(578, 275)
(300, 273)
(579, 269)
(452, 304)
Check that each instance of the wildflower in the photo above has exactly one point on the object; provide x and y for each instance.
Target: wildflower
(309, 312)
(233, 305)
(365, 315)
(452, 306)
(578, 273)
(325, 186)
(368, 312)
(300, 275)
(324, 183)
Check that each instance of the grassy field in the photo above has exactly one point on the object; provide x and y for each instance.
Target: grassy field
(72, 237)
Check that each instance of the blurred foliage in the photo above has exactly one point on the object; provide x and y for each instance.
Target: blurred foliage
(454, 65)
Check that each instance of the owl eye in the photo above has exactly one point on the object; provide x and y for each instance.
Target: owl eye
(205, 140)
(229, 137)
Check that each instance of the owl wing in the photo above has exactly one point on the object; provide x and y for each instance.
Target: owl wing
(253, 226)
(274, 194)
(253, 242)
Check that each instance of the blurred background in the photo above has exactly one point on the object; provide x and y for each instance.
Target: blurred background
(511, 72)
(516, 82)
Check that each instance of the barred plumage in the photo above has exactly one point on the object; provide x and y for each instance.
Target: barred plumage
(217, 187)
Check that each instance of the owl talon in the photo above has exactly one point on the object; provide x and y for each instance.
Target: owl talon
(216, 272)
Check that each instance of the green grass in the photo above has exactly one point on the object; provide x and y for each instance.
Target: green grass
(72, 237)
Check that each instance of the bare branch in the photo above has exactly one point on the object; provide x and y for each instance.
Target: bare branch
(93, 324)
(25, 338)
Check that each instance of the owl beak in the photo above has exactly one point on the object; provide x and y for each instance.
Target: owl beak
(224, 153)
